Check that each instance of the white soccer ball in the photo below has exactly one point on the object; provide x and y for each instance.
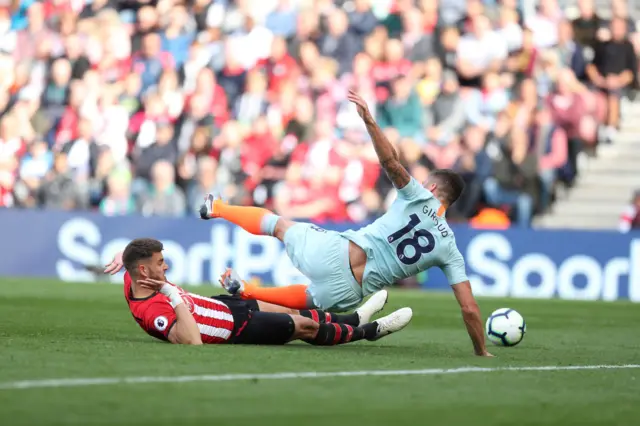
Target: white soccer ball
(505, 327)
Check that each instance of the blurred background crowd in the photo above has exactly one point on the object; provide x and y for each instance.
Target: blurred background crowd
(143, 106)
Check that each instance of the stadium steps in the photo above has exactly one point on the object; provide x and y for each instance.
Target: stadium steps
(606, 183)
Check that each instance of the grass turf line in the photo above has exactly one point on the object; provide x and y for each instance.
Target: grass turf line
(104, 381)
(51, 330)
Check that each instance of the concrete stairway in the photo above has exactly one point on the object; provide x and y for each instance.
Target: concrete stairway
(606, 182)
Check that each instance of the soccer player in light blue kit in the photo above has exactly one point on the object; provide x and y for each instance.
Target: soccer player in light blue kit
(343, 268)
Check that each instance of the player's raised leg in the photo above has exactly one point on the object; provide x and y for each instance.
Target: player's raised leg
(255, 220)
(270, 301)
(292, 297)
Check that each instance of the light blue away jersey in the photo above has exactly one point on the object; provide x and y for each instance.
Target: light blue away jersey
(408, 239)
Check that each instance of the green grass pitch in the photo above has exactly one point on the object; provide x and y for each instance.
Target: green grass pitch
(50, 330)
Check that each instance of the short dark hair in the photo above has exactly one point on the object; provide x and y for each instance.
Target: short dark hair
(139, 249)
(450, 184)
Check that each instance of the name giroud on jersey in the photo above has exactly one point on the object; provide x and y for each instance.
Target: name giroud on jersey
(432, 214)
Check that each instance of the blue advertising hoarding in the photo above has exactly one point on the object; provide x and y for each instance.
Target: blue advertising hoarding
(575, 265)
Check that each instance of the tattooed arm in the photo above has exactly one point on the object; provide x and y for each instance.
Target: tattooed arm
(389, 159)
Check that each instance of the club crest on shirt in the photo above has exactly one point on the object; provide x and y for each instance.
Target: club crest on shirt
(188, 301)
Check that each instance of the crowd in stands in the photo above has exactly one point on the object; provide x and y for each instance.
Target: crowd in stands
(144, 106)
(630, 219)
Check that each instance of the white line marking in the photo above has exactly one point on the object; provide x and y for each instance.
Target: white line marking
(61, 383)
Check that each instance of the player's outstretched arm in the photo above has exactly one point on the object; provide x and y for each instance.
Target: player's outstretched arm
(185, 331)
(471, 316)
(389, 159)
(115, 265)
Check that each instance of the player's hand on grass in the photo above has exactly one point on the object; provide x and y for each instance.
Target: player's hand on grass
(155, 285)
(115, 266)
(361, 105)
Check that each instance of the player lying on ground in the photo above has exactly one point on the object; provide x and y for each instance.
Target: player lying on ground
(345, 267)
(169, 313)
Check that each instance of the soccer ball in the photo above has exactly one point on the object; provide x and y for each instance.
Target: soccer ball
(505, 327)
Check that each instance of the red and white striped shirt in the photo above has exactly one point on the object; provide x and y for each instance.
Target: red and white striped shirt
(156, 316)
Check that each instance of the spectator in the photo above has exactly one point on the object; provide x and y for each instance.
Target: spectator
(550, 142)
(252, 42)
(129, 99)
(282, 21)
(390, 65)
(418, 45)
(24, 117)
(249, 97)
(546, 71)
(204, 183)
(474, 8)
(118, 200)
(619, 9)
(338, 43)
(169, 91)
(232, 78)
(58, 189)
(522, 62)
(571, 108)
(36, 163)
(428, 87)
(510, 29)
(280, 67)
(163, 198)
(216, 98)
(196, 116)
(402, 110)
(257, 147)
(586, 26)
(475, 166)
(447, 48)
(163, 149)
(571, 54)
(271, 177)
(73, 52)
(478, 52)
(151, 60)
(362, 21)
(484, 105)
(230, 174)
(300, 125)
(31, 36)
(544, 24)
(56, 92)
(178, 35)
(307, 30)
(146, 23)
(446, 117)
(393, 22)
(196, 60)
(111, 122)
(613, 71)
(82, 152)
(508, 183)
(630, 219)
(95, 7)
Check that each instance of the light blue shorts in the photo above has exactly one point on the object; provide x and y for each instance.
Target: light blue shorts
(323, 257)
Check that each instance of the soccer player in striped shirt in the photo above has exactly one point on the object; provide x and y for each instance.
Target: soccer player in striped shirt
(167, 312)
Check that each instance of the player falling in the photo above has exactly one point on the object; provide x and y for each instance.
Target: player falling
(345, 267)
(167, 312)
